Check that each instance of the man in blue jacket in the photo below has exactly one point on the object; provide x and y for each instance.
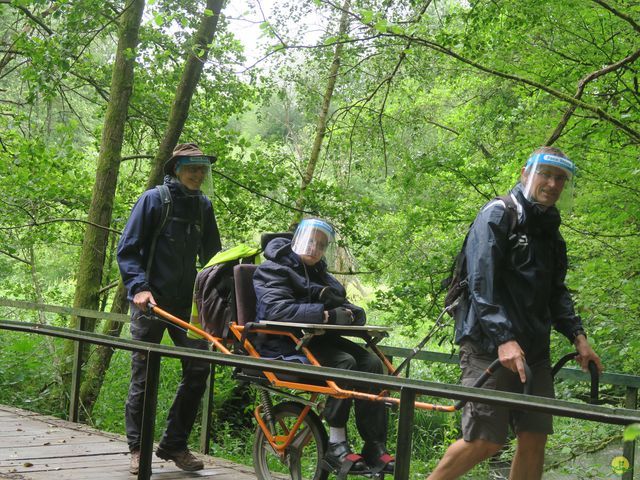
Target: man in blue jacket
(517, 293)
(169, 228)
(293, 285)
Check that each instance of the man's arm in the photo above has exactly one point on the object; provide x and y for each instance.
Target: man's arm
(487, 250)
(564, 317)
(137, 232)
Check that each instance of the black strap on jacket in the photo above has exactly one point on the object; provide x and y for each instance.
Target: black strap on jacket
(167, 209)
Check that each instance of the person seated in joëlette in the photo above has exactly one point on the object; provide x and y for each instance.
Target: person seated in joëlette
(293, 285)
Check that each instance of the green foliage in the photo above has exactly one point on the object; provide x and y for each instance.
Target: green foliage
(631, 432)
(424, 127)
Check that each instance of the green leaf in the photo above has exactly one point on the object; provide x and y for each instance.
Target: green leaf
(367, 16)
(330, 40)
(631, 432)
(381, 25)
(398, 30)
(208, 12)
(158, 19)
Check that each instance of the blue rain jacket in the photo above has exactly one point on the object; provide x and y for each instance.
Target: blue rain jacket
(517, 286)
(182, 240)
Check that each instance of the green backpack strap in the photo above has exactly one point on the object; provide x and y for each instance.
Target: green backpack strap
(167, 208)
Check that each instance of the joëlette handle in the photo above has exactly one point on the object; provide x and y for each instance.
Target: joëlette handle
(593, 371)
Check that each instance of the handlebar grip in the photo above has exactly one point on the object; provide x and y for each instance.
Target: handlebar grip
(561, 363)
(593, 371)
(491, 369)
(595, 383)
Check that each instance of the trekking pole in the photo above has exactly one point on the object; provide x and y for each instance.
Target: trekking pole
(437, 326)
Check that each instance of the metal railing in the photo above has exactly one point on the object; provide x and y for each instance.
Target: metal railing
(409, 388)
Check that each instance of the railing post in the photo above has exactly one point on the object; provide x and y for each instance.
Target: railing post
(207, 406)
(149, 415)
(76, 375)
(629, 448)
(405, 428)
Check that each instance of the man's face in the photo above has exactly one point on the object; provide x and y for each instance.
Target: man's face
(316, 247)
(192, 176)
(546, 183)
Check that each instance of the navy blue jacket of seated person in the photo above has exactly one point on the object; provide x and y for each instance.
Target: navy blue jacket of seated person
(289, 291)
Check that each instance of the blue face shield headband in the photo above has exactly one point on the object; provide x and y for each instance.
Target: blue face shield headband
(191, 161)
(316, 224)
(552, 161)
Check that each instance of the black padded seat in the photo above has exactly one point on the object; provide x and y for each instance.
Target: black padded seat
(265, 238)
(246, 313)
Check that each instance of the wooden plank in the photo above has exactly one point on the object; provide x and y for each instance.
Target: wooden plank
(63, 438)
(39, 447)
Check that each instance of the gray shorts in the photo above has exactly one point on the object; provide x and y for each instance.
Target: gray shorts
(491, 422)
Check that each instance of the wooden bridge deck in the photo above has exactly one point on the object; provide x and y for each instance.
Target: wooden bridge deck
(39, 447)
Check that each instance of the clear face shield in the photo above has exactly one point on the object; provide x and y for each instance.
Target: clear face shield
(548, 180)
(312, 240)
(195, 174)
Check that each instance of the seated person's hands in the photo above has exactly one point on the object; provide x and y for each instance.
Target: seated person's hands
(330, 298)
(339, 316)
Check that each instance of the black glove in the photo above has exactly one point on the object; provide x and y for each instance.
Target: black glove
(330, 298)
(340, 316)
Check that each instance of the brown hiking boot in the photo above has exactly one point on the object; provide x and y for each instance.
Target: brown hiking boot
(134, 462)
(184, 459)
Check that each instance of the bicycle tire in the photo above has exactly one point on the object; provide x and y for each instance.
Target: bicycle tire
(269, 466)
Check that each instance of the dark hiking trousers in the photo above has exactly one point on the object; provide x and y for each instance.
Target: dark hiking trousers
(371, 416)
(183, 411)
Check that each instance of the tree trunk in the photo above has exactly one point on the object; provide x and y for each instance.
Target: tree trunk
(321, 127)
(196, 58)
(94, 245)
(194, 64)
(101, 358)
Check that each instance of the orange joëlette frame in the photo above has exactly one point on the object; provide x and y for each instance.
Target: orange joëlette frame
(331, 388)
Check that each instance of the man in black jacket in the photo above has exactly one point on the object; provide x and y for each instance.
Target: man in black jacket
(169, 228)
(517, 293)
(293, 285)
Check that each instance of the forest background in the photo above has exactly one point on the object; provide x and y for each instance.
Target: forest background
(395, 120)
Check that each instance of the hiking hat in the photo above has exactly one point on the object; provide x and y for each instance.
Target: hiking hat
(548, 179)
(187, 153)
(313, 239)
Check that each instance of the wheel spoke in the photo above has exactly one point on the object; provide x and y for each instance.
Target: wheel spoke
(302, 459)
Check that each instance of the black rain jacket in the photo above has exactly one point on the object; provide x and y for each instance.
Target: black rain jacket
(289, 291)
(182, 240)
(517, 286)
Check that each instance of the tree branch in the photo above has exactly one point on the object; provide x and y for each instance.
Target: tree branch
(290, 207)
(35, 19)
(61, 220)
(617, 13)
(16, 258)
(581, 86)
(633, 134)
